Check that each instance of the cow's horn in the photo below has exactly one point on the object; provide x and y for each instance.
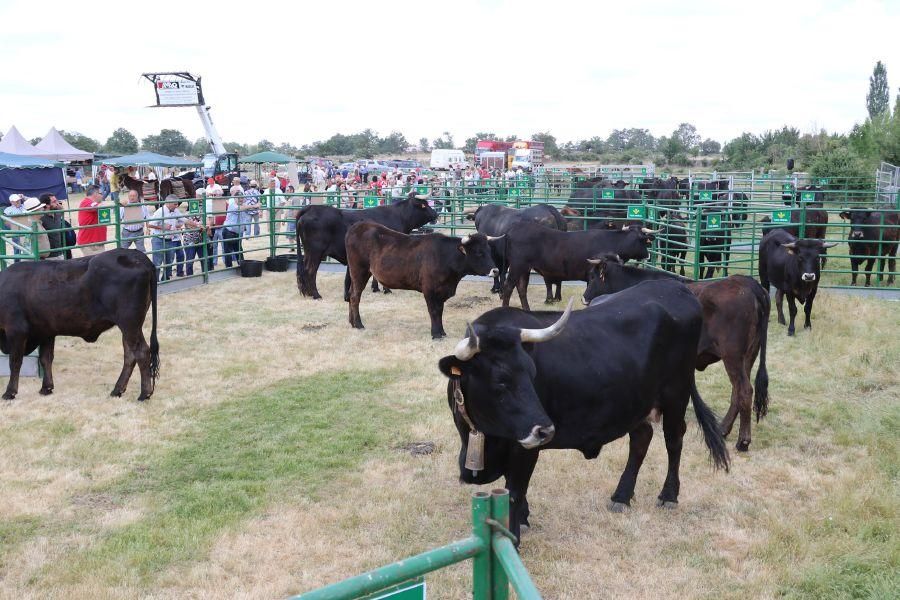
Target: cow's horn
(465, 239)
(492, 238)
(649, 231)
(830, 245)
(423, 196)
(471, 210)
(625, 227)
(596, 261)
(468, 346)
(791, 245)
(548, 333)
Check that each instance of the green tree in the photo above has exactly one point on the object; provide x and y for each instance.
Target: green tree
(878, 99)
(551, 149)
(170, 142)
(240, 149)
(200, 147)
(471, 142)
(263, 145)
(444, 142)
(81, 141)
(424, 146)
(686, 135)
(710, 146)
(841, 162)
(121, 141)
(394, 143)
(34, 141)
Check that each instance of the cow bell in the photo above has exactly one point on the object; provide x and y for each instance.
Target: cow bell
(475, 452)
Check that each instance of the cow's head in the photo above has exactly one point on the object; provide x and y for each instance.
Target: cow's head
(635, 241)
(420, 211)
(806, 253)
(858, 219)
(477, 251)
(497, 375)
(598, 276)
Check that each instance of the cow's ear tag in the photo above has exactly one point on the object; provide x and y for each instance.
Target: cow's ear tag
(475, 452)
(454, 370)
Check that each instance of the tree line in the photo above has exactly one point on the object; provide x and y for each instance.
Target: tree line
(852, 154)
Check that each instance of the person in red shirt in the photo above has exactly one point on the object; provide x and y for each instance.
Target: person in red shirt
(92, 236)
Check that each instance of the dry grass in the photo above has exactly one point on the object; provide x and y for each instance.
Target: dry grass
(811, 511)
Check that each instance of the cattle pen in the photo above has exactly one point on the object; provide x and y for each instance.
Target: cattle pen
(284, 451)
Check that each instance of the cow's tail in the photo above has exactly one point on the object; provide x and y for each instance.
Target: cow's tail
(709, 425)
(154, 341)
(761, 383)
(302, 276)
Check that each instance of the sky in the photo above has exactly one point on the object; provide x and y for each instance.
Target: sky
(301, 71)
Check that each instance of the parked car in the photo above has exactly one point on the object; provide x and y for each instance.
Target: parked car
(405, 165)
(349, 166)
(374, 166)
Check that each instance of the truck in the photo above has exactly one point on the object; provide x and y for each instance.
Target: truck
(527, 155)
(446, 159)
(483, 147)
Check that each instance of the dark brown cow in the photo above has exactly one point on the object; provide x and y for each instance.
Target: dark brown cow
(81, 298)
(735, 327)
(182, 186)
(431, 264)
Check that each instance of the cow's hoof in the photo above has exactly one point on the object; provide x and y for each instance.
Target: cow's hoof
(45, 391)
(116, 393)
(791, 332)
(358, 326)
(438, 336)
(667, 504)
(387, 291)
(317, 296)
(807, 326)
(143, 398)
(8, 396)
(743, 445)
(616, 507)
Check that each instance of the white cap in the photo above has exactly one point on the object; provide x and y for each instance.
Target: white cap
(16, 197)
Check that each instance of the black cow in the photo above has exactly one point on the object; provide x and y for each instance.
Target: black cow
(735, 329)
(495, 220)
(792, 266)
(81, 298)
(596, 212)
(873, 234)
(530, 382)
(715, 240)
(563, 255)
(321, 230)
(672, 243)
(431, 264)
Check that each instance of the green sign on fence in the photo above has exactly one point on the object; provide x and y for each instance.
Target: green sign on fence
(781, 216)
(422, 190)
(788, 188)
(643, 170)
(714, 221)
(411, 590)
(638, 180)
(705, 195)
(370, 201)
(104, 215)
(822, 181)
(807, 196)
(637, 211)
(193, 206)
(608, 193)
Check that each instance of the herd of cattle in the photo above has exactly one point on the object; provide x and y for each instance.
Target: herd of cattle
(520, 381)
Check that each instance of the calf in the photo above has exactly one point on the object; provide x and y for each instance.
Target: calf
(81, 298)
(563, 255)
(431, 264)
(735, 328)
(873, 234)
(792, 266)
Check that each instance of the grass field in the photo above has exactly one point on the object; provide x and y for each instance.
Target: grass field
(270, 461)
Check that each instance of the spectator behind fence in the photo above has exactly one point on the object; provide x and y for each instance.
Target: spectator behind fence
(33, 208)
(15, 211)
(215, 211)
(192, 240)
(184, 224)
(165, 224)
(113, 175)
(251, 200)
(102, 181)
(235, 221)
(91, 236)
(132, 221)
(53, 223)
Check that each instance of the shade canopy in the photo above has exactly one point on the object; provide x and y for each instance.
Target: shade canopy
(56, 147)
(17, 161)
(14, 143)
(268, 157)
(149, 159)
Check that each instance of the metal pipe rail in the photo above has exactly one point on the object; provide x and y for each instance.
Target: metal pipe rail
(495, 563)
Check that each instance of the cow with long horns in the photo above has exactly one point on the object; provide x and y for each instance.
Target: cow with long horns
(521, 382)
(564, 255)
(321, 231)
(431, 264)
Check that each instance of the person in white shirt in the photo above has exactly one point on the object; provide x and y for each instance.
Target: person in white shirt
(165, 223)
(251, 199)
(13, 211)
(132, 219)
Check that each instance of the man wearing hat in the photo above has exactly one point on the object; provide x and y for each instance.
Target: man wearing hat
(251, 199)
(215, 217)
(165, 223)
(14, 211)
(33, 208)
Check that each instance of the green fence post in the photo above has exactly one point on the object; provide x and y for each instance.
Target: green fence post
(802, 230)
(35, 247)
(698, 217)
(481, 563)
(500, 513)
(204, 240)
(117, 223)
(273, 226)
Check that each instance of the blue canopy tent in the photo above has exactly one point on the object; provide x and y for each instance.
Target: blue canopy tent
(30, 176)
(149, 159)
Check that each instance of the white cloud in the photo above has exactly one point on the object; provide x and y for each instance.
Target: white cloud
(299, 71)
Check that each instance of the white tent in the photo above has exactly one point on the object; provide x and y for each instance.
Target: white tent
(14, 143)
(55, 147)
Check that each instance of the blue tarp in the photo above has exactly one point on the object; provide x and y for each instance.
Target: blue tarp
(31, 179)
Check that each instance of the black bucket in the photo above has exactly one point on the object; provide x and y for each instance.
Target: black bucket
(277, 264)
(251, 268)
(288, 257)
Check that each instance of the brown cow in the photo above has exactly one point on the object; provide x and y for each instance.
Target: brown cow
(735, 327)
(432, 264)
